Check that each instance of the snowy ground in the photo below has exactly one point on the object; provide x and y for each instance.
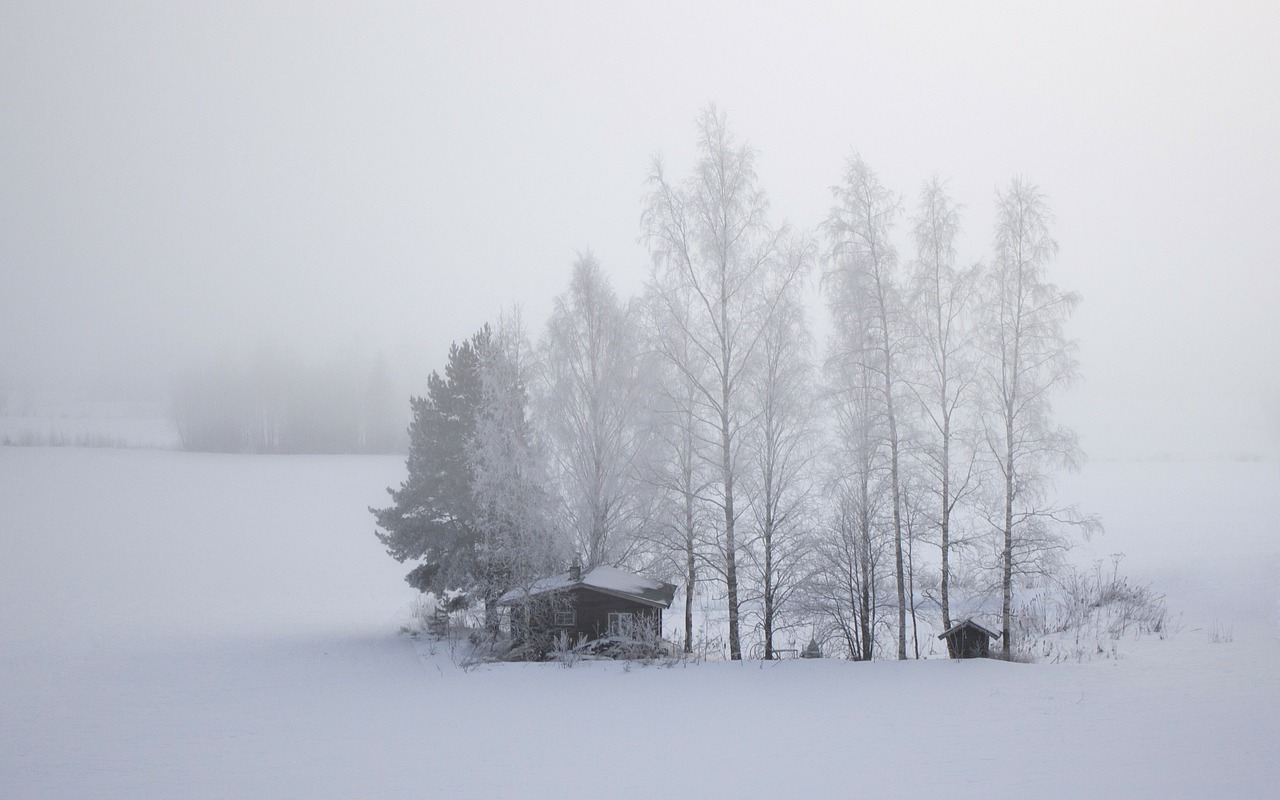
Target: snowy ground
(179, 625)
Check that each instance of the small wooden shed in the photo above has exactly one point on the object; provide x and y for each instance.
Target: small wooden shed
(968, 639)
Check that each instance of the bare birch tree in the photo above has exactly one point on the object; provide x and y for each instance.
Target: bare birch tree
(858, 231)
(679, 467)
(591, 403)
(844, 586)
(781, 453)
(944, 317)
(1027, 358)
(710, 237)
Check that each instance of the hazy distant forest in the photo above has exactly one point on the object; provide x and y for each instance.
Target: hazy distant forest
(271, 403)
(872, 488)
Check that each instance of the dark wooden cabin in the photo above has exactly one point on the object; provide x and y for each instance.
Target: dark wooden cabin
(968, 639)
(599, 604)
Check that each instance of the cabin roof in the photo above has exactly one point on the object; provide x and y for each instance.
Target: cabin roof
(606, 580)
(968, 623)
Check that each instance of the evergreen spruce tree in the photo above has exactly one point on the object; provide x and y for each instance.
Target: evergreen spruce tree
(433, 518)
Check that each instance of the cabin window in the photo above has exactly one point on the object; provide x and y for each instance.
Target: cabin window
(619, 623)
(565, 618)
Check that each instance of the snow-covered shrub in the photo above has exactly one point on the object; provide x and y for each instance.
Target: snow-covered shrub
(420, 612)
(428, 614)
(1071, 618)
(565, 651)
(635, 640)
(1220, 634)
(480, 646)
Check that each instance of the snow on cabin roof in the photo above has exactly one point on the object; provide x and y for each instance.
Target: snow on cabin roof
(608, 580)
(968, 623)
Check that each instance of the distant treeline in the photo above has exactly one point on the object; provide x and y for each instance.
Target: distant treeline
(273, 404)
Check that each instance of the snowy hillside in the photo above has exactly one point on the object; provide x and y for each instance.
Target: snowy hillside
(198, 626)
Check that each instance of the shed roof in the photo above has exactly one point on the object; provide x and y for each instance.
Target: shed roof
(968, 623)
(608, 580)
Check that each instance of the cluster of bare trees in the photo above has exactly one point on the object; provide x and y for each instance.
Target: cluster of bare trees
(883, 488)
(940, 378)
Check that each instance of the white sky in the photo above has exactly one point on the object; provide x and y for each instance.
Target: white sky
(387, 177)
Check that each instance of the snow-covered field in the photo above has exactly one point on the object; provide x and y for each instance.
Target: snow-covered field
(178, 625)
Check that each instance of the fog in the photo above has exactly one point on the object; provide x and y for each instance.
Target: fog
(340, 181)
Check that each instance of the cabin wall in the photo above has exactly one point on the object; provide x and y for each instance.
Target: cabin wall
(592, 611)
(968, 643)
(533, 622)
